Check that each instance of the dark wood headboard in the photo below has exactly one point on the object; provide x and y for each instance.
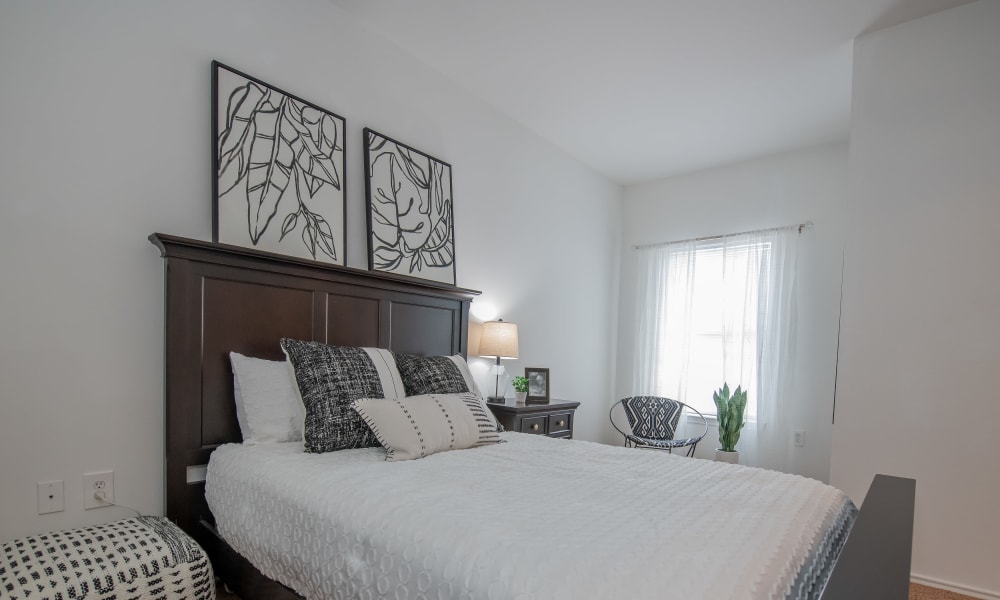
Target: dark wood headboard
(222, 298)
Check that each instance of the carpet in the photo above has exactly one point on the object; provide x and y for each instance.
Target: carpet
(923, 592)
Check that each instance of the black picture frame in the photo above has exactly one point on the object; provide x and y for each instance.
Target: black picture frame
(402, 182)
(279, 170)
(539, 385)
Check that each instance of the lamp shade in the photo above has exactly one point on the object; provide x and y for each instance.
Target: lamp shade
(499, 339)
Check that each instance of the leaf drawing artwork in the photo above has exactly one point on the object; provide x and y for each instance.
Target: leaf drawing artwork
(410, 220)
(279, 170)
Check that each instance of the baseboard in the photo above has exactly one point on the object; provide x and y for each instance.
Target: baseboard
(954, 587)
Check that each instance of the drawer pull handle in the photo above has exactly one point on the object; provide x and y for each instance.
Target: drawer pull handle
(534, 427)
(561, 423)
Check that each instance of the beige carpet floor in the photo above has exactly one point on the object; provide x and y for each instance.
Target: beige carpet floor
(917, 592)
(922, 592)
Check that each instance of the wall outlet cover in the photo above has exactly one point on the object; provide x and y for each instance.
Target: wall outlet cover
(98, 489)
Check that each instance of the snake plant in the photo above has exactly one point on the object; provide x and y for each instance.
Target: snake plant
(730, 415)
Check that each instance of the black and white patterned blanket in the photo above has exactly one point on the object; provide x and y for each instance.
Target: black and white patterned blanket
(145, 558)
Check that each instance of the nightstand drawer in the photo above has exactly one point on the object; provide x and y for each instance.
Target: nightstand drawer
(560, 423)
(554, 419)
(533, 425)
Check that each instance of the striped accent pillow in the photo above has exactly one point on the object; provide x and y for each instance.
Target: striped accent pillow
(418, 426)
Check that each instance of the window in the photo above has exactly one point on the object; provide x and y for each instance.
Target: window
(708, 325)
(716, 311)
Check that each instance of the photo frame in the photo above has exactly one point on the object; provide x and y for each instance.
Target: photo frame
(538, 384)
(279, 165)
(410, 211)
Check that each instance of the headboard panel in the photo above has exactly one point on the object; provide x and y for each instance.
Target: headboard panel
(222, 298)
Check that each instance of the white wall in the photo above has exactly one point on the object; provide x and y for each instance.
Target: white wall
(917, 388)
(105, 139)
(767, 192)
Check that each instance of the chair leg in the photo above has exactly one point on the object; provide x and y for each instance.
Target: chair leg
(691, 449)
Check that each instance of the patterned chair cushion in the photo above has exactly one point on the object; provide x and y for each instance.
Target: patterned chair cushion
(652, 417)
(666, 444)
(145, 558)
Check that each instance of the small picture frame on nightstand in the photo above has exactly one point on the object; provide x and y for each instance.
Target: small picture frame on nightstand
(538, 385)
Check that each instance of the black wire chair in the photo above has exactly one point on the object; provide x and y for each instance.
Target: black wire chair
(653, 423)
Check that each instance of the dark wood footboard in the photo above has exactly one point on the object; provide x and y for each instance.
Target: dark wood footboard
(875, 561)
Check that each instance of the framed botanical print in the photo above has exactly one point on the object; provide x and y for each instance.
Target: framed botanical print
(410, 211)
(279, 164)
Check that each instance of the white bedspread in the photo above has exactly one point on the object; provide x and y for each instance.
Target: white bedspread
(532, 518)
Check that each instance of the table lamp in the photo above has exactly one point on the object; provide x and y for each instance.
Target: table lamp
(499, 339)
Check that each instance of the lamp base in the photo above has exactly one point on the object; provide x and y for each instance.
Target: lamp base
(496, 399)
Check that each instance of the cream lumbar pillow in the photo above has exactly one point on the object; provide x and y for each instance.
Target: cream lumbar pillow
(418, 426)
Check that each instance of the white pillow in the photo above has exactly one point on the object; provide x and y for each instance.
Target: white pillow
(268, 405)
(418, 426)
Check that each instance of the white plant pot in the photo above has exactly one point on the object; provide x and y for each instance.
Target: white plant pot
(521, 397)
(727, 457)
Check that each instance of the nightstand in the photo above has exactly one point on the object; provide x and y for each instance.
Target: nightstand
(554, 419)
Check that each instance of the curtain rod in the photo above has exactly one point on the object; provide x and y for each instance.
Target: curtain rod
(800, 227)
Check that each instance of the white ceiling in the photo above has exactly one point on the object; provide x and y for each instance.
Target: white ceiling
(644, 89)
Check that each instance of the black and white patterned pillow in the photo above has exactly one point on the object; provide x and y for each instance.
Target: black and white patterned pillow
(430, 375)
(330, 378)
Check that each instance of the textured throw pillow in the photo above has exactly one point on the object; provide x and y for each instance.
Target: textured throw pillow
(431, 375)
(330, 378)
(268, 406)
(438, 375)
(418, 426)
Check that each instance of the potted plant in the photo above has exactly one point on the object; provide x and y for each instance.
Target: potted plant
(731, 421)
(521, 388)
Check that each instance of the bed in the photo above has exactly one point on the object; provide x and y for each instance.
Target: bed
(221, 298)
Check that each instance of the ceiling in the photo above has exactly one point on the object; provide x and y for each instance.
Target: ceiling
(644, 89)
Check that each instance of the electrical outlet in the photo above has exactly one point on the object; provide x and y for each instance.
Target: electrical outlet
(800, 439)
(50, 497)
(98, 489)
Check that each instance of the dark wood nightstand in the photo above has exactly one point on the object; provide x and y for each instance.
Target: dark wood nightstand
(554, 419)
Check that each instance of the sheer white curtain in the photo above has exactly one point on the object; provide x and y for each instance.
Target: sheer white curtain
(716, 311)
